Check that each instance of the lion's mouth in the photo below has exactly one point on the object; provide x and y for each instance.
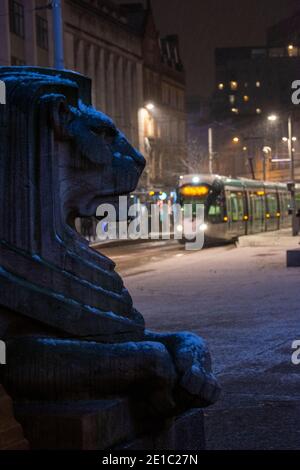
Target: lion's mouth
(106, 201)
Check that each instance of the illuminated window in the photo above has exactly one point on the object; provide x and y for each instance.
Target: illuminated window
(292, 51)
(258, 111)
(234, 85)
(221, 86)
(246, 98)
(235, 110)
(231, 99)
(257, 84)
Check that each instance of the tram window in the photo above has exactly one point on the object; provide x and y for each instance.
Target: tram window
(214, 210)
(272, 204)
(237, 206)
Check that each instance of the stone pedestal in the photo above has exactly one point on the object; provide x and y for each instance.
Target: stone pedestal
(11, 434)
(293, 258)
(107, 424)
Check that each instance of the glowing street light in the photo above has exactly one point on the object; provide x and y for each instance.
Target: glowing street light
(272, 118)
(150, 106)
(235, 140)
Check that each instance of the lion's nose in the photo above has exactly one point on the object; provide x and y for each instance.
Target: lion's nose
(125, 148)
(138, 158)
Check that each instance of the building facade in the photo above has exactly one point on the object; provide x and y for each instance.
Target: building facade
(162, 119)
(138, 78)
(251, 85)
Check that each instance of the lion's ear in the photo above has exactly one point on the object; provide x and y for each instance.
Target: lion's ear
(60, 116)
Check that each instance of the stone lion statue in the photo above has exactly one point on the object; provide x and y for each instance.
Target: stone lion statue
(68, 321)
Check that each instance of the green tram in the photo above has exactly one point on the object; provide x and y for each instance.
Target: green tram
(236, 207)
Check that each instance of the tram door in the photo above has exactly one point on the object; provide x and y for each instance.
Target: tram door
(236, 211)
(272, 214)
(284, 219)
(257, 211)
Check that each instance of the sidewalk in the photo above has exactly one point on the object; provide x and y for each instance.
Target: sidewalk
(280, 238)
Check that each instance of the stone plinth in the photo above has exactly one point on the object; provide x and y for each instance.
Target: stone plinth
(184, 432)
(11, 434)
(293, 258)
(107, 424)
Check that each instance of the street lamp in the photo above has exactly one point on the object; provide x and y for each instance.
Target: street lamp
(272, 117)
(266, 151)
(290, 139)
(150, 106)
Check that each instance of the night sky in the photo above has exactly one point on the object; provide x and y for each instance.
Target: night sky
(204, 25)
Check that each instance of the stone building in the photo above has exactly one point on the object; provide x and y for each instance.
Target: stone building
(138, 77)
(162, 119)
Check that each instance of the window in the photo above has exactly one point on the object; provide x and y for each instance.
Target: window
(257, 207)
(233, 85)
(272, 204)
(215, 210)
(284, 204)
(42, 32)
(17, 61)
(16, 17)
(237, 206)
(293, 51)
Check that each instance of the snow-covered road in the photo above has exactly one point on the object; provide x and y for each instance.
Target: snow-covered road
(246, 304)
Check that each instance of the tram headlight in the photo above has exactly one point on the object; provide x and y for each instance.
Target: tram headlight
(203, 227)
(179, 228)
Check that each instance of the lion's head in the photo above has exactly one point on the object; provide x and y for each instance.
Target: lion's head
(102, 164)
(60, 158)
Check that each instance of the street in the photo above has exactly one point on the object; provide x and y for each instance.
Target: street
(243, 301)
